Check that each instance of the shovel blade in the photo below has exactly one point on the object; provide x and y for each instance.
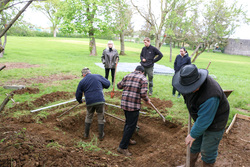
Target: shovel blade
(112, 94)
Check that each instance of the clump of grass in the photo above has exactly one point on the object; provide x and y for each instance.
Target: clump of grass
(89, 146)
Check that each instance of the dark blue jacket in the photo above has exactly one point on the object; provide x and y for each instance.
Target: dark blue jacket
(92, 86)
(149, 53)
(181, 61)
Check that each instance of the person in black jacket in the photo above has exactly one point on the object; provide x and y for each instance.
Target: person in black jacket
(181, 60)
(92, 86)
(149, 55)
(208, 106)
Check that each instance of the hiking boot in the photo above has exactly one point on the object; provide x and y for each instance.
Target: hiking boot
(132, 142)
(193, 159)
(204, 164)
(101, 133)
(123, 151)
(86, 132)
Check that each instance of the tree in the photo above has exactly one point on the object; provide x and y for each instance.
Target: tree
(88, 17)
(6, 24)
(122, 15)
(51, 9)
(217, 23)
(164, 10)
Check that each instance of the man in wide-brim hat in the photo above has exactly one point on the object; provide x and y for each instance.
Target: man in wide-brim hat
(208, 107)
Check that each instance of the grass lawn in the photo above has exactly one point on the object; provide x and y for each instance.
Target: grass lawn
(69, 56)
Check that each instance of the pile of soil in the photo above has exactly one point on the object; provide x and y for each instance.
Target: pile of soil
(43, 100)
(41, 79)
(18, 65)
(27, 90)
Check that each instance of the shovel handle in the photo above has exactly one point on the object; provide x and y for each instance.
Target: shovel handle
(68, 110)
(164, 120)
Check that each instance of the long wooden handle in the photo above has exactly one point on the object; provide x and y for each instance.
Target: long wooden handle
(68, 110)
(188, 146)
(116, 62)
(208, 64)
(164, 120)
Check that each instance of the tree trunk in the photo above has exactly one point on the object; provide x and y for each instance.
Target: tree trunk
(122, 52)
(196, 50)
(178, 44)
(174, 45)
(170, 45)
(157, 40)
(54, 32)
(92, 45)
(199, 53)
(4, 44)
(183, 44)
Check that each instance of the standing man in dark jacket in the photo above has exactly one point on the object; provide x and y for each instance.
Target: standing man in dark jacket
(181, 60)
(208, 107)
(92, 86)
(135, 87)
(148, 58)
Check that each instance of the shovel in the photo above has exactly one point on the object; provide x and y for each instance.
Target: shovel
(163, 118)
(112, 92)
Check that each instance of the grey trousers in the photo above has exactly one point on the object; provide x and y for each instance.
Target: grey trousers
(150, 72)
(99, 108)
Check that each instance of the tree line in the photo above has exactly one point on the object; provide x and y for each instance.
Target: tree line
(198, 23)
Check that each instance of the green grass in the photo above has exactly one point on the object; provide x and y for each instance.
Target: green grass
(69, 56)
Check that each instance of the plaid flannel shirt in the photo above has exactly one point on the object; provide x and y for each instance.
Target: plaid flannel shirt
(135, 87)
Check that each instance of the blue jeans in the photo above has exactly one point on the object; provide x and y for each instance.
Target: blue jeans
(129, 128)
(207, 144)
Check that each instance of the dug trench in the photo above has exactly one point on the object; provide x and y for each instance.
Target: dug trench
(35, 140)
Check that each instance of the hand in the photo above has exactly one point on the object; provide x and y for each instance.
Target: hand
(189, 140)
(143, 60)
(148, 102)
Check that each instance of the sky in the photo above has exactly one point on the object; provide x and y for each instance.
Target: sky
(39, 19)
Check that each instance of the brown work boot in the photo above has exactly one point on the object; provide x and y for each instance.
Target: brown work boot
(193, 159)
(132, 142)
(123, 151)
(86, 132)
(207, 165)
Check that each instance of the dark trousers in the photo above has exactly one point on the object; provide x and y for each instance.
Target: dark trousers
(129, 128)
(112, 73)
(174, 90)
(149, 71)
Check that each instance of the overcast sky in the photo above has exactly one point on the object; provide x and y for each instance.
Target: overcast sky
(38, 19)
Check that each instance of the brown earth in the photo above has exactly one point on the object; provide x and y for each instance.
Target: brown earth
(18, 65)
(53, 141)
(26, 90)
(40, 79)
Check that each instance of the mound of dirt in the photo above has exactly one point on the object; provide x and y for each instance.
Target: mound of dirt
(27, 90)
(43, 100)
(18, 65)
(41, 79)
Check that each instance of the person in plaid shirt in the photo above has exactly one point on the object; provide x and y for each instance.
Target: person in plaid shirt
(135, 87)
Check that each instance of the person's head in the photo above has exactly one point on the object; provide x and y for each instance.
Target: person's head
(140, 69)
(183, 51)
(85, 71)
(189, 79)
(110, 45)
(146, 41)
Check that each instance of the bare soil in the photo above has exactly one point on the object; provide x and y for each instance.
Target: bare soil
(18, 65)
(53, 141)
(26, 90)
(41, 79)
